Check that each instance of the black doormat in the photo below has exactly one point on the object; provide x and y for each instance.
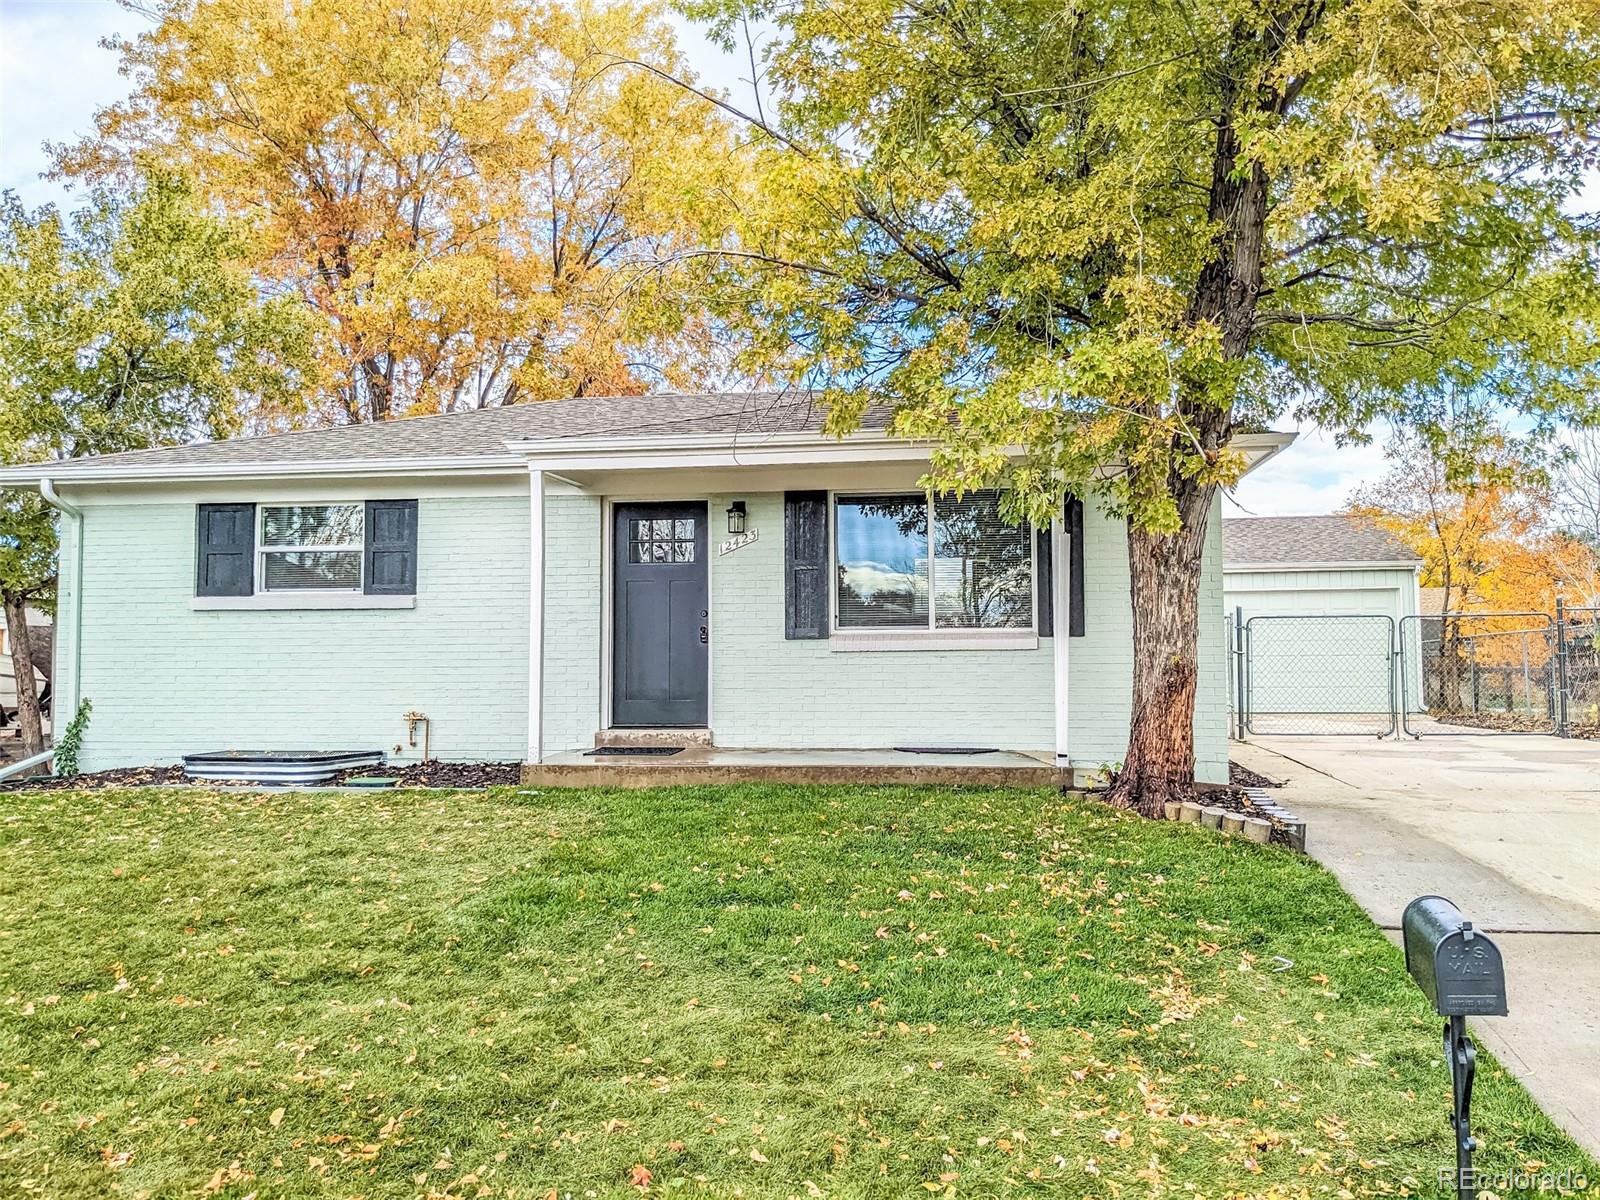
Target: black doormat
(632, 751)
(946, 750)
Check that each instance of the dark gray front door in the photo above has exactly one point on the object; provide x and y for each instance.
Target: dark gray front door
(659, 622)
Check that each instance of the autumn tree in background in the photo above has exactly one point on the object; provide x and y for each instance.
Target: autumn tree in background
(451, 185)
(1115, 233)
(1479, 515)
(1458, 512)
(131, 324)
(1454, 513)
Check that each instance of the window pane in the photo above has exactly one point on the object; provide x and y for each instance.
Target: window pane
(982, 567)
(883, 561)
(312, 570)
(312, 525)
(685, 529)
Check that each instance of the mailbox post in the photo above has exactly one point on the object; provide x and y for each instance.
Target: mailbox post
(1461, 973)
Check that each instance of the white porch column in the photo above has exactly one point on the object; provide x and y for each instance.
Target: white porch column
(535, 615)
(1060, 603)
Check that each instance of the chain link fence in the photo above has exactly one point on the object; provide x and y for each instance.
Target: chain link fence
(1580, 671)
(1451, 673)
(1479, 673)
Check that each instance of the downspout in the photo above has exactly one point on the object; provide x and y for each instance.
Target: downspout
(47, 491)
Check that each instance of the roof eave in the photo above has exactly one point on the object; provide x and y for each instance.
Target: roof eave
(64, 474)
(570, 453)
(1260, 448)
(1351, 564)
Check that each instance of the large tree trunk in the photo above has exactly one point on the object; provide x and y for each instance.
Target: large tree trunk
(1164, 573)
(28, 721)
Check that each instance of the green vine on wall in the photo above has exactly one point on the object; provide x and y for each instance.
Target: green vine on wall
(70, 744)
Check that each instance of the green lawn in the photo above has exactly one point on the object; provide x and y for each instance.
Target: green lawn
(743, 991)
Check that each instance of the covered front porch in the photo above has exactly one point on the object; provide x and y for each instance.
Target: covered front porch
(779, 684)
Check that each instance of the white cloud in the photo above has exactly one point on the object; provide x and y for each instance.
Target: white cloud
(53, 75)
(1312, 476)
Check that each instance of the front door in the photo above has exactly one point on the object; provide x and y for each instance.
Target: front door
(660, 616)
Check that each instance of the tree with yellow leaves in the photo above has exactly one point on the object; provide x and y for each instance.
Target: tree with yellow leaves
(452, 185)
(1081, 246)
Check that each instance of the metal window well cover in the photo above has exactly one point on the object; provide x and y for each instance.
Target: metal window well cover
(278, 766)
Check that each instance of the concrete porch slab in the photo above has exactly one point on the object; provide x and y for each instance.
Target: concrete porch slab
(710, 764)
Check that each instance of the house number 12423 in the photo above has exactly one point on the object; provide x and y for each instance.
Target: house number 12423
(737, 542)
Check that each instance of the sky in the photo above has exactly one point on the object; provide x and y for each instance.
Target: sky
(54, 75)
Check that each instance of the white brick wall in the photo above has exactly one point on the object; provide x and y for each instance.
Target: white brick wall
(167, 680)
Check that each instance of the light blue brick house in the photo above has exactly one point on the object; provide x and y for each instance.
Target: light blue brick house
(530, 578)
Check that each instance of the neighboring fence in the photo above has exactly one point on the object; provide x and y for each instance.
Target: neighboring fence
(1480, 673)
(1454, 673)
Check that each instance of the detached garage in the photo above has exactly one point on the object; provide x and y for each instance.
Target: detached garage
(1322, 599)
(1316, 566)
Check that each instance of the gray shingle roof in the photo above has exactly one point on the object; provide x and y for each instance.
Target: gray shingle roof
(1287, 540)
(484, 432)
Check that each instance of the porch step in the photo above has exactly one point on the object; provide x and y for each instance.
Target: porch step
(707, 766)
(673, 736)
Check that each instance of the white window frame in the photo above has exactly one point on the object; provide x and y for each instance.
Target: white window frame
(262, 550)
(911, 637)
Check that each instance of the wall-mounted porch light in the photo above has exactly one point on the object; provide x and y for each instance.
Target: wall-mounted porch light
(736, 517)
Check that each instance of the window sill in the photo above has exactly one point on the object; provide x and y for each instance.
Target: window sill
(281, 601)
(970, 639)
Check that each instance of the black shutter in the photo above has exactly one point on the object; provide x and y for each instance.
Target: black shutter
(391, 551)
(225, 550)
(1074, 532)
(805, 565)
(1045, 588)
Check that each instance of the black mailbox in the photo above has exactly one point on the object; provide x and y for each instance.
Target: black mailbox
(1458, 969)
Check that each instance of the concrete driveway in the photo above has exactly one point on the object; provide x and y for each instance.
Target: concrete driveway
(1506, 826)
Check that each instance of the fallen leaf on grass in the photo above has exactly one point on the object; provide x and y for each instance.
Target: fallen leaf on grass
(640, 1176)
(276, 1118)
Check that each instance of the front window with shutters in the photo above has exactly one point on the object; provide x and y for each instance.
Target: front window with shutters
(311, 547)
(314, 554)
(912, 561)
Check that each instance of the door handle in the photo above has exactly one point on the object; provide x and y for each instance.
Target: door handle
(702, 635)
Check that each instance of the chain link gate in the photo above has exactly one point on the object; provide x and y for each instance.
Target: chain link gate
(1480, 673)
(1319, 675)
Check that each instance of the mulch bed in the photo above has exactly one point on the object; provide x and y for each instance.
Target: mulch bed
(430, 774)
(443, 774)
(1236, 800)
(1245, 777)
(1233, 797)
(123, 777)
